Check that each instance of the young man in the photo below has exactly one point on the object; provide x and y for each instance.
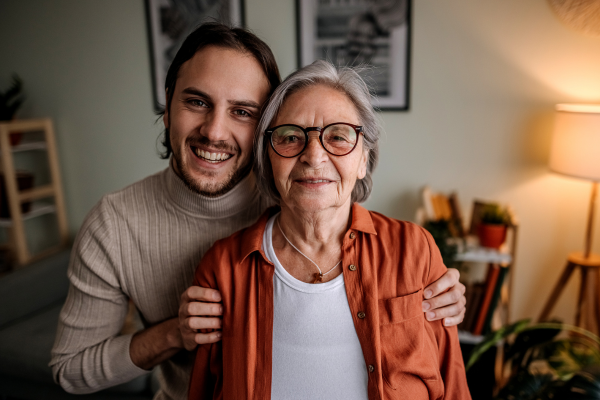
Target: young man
(145, 241)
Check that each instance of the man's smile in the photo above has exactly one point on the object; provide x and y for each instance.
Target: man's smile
(213, 157)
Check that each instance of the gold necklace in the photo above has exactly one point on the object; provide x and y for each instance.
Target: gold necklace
(318, 276)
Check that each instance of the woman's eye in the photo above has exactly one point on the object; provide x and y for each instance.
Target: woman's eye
(337, 138)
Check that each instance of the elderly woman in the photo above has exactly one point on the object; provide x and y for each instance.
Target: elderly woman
(325, 296)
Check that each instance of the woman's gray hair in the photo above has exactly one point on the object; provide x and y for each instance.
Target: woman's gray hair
(346, 80)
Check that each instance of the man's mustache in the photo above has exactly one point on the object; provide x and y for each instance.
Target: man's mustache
(218, 145)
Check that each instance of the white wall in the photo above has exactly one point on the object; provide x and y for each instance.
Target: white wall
(485, 78)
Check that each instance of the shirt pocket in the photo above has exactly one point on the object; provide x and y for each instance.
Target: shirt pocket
(408, 352)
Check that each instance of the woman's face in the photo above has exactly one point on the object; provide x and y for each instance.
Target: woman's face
(316, 180)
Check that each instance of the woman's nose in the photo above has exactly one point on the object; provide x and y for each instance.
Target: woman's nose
(314, 154)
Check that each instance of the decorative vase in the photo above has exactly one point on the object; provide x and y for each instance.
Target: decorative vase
(492, 235)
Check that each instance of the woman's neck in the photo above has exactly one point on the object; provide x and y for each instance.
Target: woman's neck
(322, 228)
(317, 235)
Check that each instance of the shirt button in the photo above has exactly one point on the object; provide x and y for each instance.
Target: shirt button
(361, 315)
(352, 235)
(371, 368)
(352, 267)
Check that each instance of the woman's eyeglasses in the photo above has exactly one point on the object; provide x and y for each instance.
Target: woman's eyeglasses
(339, 138)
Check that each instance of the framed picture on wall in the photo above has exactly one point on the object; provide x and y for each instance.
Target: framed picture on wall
(169, 23)
(374, 34)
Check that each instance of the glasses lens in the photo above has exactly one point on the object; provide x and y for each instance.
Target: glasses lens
(288, 140)
(339, 139)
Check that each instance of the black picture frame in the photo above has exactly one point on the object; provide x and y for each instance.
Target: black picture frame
(170, 21)
(361, 32)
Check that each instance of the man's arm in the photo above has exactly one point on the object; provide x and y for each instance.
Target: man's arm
(156, 344)
(88, 353)
(445, 298)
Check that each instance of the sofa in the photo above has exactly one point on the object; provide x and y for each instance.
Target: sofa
(31, 298)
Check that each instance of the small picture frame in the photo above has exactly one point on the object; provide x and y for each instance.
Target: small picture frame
(375, 34)
(171, 21)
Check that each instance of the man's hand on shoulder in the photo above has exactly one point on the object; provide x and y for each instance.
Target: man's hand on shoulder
(445, 298)
(199, 311)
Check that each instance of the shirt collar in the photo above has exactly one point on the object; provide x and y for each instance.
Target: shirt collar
(253, 236)
(361, 220)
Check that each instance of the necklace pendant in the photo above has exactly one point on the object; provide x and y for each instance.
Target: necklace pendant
(318, 277)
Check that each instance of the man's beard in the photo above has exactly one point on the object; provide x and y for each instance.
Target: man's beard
(205, 188)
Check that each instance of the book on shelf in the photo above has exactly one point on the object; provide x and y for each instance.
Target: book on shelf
(473, 300)
(482, 300)
(487, 326)
(490, 285)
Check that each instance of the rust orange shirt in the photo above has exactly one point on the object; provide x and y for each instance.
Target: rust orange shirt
(386, 265)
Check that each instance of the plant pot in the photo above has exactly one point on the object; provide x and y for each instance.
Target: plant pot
(492, 235)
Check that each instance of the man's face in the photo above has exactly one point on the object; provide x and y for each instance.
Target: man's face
(212, 117)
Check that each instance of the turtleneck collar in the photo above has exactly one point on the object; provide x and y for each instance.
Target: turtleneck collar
(237, 199)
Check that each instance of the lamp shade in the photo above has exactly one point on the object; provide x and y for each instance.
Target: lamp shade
(576, 142)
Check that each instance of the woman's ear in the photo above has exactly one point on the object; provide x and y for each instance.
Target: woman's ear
(362, 168)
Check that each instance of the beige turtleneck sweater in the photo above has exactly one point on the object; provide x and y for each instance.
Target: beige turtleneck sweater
(143, 242)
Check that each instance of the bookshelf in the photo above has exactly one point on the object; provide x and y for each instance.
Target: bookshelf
(488, 300)
(45, 199)
(488, 296)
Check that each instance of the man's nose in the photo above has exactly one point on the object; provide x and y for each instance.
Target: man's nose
(314, 153)
(214, 126)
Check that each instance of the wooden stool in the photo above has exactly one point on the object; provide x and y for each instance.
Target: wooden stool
(589, 267)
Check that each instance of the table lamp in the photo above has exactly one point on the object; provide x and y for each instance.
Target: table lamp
(575, 152)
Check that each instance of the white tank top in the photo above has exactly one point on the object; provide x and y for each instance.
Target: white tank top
(316, 352)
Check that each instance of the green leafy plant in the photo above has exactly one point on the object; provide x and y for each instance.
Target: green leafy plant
(549, 360)
(11, 100)
(442, 235)
(494, 214)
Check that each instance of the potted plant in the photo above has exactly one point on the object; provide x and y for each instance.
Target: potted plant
(10, 102)
(445, 241)
(545, 361)
(492, 229)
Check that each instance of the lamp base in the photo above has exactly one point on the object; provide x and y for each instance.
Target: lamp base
(590, 276)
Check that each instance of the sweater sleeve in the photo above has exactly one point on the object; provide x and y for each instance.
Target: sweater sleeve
(452, 368)
(88, 353)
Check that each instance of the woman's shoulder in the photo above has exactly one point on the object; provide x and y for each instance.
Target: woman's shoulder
(398, 230)
(233, 249)
(412, 244)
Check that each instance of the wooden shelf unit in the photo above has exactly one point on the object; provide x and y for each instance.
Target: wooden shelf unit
(501, 259)
(15, 198)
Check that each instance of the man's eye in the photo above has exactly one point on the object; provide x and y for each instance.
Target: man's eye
(197, 103)
(242, 113)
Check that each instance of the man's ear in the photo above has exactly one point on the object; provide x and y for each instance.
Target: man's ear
(166, 114)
